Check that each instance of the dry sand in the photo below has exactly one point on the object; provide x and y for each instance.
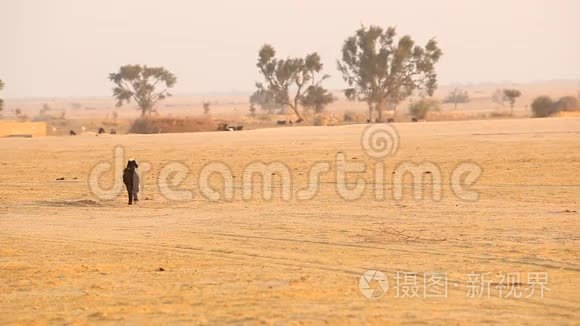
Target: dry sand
(68, 257)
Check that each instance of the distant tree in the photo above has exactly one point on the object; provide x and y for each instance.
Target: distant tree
(1, 100)
(381, 70)
(206, 107)
(289, 80)
(252, 111)
(266, 101)
(457, 96)
(542, 106)
(19, 116)
(511, 95)
(145, 85)
(498, 97)
(421, 108)
(45, 109)
(317, 99)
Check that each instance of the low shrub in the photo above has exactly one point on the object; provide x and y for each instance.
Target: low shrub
(566, 103)
(354, 117)
(543, 106)
(421, 108)
(171, 125)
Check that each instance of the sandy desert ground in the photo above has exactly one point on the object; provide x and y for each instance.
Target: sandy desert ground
(69, 257)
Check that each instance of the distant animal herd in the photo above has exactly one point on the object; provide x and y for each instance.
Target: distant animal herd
(289, 122)
(227, 127)
(99, 132)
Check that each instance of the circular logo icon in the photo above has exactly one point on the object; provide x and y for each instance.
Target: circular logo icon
(373, 284)
(380, 140)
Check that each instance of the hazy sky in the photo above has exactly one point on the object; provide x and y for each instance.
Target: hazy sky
(68, 47)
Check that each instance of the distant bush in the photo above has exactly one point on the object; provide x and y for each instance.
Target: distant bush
(543, 106)
(320, 120)
(499, 114)
(264, 117)
(354, 117)
(171, 125)
(421, 108)
(348, 117)
(566, 103)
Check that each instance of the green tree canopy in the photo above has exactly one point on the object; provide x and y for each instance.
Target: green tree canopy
(145, 85)
(289, 80)
(381, 70)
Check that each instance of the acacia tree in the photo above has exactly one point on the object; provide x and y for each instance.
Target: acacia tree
(511, 95)
(381, 70)
(457, 96)
(145, 85)
(289, 80)
(1, 100)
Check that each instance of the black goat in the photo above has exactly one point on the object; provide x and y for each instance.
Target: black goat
(131, 180)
